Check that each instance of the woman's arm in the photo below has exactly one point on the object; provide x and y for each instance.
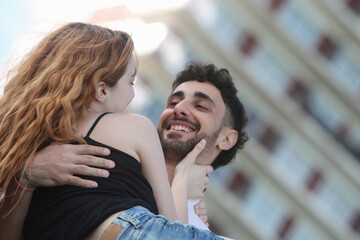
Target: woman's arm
(12, 223)
(187, 174)
(184, 179)
(136, 135)
(53, 166)
(154, 169)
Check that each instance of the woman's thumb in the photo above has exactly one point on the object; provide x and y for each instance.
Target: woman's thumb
(191, 156)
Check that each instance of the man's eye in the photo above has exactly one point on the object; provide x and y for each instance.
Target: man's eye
(201, 107)
(173, 104)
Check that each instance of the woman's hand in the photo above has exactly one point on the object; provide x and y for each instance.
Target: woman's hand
(200, 210)
(182, 181)
(58, 163)
(196, 175)
(198, 180)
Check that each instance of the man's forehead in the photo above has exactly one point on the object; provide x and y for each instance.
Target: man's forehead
(204, 90)
(191, 87)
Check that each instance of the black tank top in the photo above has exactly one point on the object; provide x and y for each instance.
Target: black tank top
(68, 212)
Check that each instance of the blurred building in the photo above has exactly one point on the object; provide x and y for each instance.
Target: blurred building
(296, 64)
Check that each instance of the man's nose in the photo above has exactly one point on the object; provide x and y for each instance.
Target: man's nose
(181, 109)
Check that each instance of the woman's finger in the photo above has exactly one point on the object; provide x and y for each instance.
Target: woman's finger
(191, 156)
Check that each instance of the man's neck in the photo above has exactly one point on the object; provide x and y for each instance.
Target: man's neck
(171, 172)
(172, 161)
(171, 164)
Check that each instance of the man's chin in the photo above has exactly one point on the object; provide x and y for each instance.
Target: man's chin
(179, 142)
(173, 136)
(177, 148)
(183, 136)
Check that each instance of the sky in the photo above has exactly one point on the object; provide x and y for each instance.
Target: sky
(15, 18)
(21, 19)
(18, 17)
(23, 23)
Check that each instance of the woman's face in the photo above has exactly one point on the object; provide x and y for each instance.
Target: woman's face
(120, 96)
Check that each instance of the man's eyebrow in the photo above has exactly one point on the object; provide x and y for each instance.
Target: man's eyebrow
(204, 96)
(177, 94)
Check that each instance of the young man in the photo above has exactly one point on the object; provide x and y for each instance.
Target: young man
(203, 104)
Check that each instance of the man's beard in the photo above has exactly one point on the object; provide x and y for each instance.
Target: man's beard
(176, 150)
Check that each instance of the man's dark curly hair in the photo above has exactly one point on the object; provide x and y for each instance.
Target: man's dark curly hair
(235, 115)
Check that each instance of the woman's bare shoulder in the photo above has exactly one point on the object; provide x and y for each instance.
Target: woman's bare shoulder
(124, 128)
(128, 120)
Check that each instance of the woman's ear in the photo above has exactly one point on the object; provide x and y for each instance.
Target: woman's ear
(227, 138)
(101, 92)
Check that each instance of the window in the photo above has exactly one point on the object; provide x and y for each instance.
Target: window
(342, 132)
(222, 175)
(291, 163)
(298, 26)
(261, 2)
(332, 121)
(269, 138)
(301, 232)
(327, 47)
(346, 73)
(276, 4)
(299, 92)
(214, 18)
(354, 5)
(225, 30)
(353, 142)
(254, 123)
(333, 202)
(286, 227)
(268, 71)
(324, 113)
(262, 210)
(248, 43)
(239, 184)
(314, 179)
(355, 222)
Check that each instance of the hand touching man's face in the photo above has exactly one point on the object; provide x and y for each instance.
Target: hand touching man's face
(194, 110)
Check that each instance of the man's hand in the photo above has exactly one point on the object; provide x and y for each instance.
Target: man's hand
(58, 164)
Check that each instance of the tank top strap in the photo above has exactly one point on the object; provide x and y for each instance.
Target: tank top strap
(95, 123)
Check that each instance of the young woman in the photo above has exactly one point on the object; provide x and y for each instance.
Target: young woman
(79, 79)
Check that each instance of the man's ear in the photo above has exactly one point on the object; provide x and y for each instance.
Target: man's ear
(227, 138)
(101, 92)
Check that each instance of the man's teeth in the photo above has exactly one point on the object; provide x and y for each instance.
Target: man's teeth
(179, 128)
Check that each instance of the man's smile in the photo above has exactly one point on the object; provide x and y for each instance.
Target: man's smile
(181, 126)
